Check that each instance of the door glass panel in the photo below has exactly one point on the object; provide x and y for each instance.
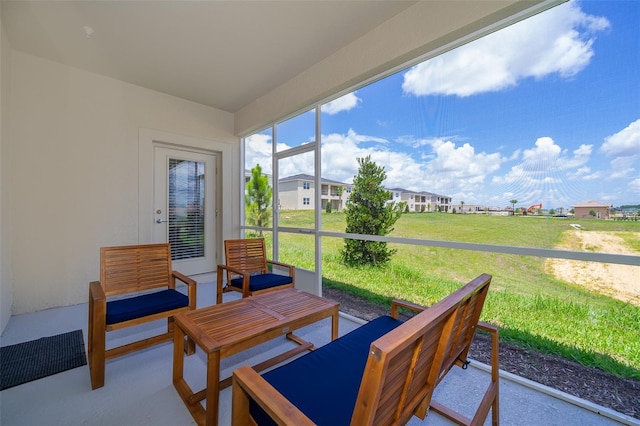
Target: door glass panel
(186, 208)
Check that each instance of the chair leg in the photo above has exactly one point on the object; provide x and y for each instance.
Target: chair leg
(219, 286)
(97, 344)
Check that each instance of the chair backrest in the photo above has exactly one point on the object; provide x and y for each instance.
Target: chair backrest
(406, 364)
(472, 297)
(246, 254)
(127, 269)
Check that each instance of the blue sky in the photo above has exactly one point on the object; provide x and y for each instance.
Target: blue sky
(545, 111)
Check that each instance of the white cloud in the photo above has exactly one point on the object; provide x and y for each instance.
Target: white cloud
(558, 41)
(624, 143)
(583, 174)
(344, 103)
(258, 151)
(622, 167)
(545, 164)
(448, 169)
(463, 162)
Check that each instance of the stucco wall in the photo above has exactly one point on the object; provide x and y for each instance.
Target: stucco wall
(75, 168)
(6, 296)
(583, 212)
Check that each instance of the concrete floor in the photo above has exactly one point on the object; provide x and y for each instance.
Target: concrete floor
(139, 389)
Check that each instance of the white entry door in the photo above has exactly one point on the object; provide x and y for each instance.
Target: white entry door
(184, 207)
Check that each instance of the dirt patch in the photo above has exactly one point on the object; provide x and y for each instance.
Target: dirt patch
(607, 390)
(619, 281)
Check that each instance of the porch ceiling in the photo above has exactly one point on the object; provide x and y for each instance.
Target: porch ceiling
(224, 54)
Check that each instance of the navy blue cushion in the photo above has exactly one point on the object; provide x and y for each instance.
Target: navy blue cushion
(143, 305)
(324, 384)
(263, 281)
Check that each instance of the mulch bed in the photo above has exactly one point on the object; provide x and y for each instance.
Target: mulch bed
(591, 384)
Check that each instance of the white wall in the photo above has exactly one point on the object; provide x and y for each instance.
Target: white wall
(74, 176)
(6, 296)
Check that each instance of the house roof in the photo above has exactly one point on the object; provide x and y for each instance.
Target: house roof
(591, 204)
(306, 177)
(430, 194)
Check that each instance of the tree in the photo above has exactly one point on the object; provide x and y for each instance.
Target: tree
(513, 204)
(461, 207)
(258, 198)
(369, 213)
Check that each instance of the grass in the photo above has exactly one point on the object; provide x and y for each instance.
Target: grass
(531, 307)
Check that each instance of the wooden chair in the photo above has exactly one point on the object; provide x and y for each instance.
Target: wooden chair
(131, 271)
(248, 271)
(402, 364)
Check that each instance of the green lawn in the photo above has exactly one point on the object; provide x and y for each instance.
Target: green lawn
(532, 308)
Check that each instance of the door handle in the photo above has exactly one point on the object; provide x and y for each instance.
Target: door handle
(161, 220)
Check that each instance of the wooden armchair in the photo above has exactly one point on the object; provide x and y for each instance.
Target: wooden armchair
(384, 372)
(248, 271)
(132, 271)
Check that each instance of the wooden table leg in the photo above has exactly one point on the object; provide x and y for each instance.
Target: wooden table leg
(178, 355)
(334, 324)
(213, 387)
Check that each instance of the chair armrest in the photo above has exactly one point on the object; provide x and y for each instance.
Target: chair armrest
(288, 266)
(485, 326)
(185, 279)
(243, 274)
(247, 384)
(495, 350)
(397, 303)
(234, 270)
(96, 293)
(191, 287)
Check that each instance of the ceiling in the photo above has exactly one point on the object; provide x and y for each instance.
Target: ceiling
(224, 54)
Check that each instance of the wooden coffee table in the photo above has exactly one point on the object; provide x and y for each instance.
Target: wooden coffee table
(231, 327)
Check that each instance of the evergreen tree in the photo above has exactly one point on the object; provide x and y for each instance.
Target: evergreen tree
(257, 199)
(369, 212)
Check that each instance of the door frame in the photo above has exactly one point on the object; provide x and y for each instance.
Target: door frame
(227, 202)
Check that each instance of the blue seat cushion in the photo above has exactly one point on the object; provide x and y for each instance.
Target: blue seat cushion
(144, 305)
(263, 281)
(324, 383)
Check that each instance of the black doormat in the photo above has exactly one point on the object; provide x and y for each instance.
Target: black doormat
(40, 358)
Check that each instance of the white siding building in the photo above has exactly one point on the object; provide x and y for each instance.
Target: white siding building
(298, 193)
(421, 201)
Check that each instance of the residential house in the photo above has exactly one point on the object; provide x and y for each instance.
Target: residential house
(591, 210)
(298, 193)
(420, 201)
